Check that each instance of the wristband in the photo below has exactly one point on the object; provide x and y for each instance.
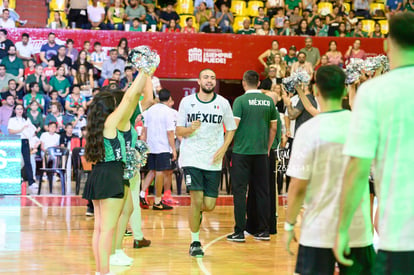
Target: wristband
(289, 227)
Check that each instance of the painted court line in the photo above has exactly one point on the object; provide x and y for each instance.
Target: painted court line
(200, 260)
(35, 201)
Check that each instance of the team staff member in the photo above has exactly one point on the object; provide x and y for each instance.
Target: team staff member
(255, 116)
(387, 138)
(316, 169)
(200, 122)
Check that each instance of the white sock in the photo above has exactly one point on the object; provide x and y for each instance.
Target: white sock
(142, 194)
(157, 200)
(118, 251)
(195, 237)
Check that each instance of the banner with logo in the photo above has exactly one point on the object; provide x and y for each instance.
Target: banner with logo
(184, 55)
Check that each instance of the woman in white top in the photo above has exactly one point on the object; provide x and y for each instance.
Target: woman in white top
(20, 125)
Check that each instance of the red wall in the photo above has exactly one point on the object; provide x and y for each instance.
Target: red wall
(235, 53)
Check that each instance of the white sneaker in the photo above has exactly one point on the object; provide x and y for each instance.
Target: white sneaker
(121, 254)
(115, 260)
(33, 189)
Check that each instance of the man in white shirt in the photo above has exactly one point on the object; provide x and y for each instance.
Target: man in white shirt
(96, 16)
(25, 50)
(6, 22)
(158, 131)
(50, 138)
(302, 65)
(316, 169)
(387, 138)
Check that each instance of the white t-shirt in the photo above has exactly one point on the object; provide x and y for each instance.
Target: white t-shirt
(49, 140)
(158, 121)
(95, 13)
(382, 123)
(317, 157)
(25, 50)
(16, 123)
(198, 149)
(7, 24)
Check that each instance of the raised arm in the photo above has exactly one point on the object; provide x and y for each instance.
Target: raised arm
(306, 103)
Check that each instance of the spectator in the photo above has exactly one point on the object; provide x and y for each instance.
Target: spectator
(48, 50)
(4, 79)
(86, 48)
(34, 95)
(333, 20)
(25, 51)
(136, 26)
(61, 59)
(307, 5)
(351, 21)
(123, 49)
(82, 61)
(324, 62)
(57, 22)
(5, 43)
(98, 56)
(127, 80)
(279, 19)
(151, 18)
(116, 79)
(286, 30)
(50, 70)
(265, 29)
(295, 18)
(312, 54)
(246, 28)
(266, 84)
(290, 6)
(303, 29)
(273, 7)
(35, 116)
(49, 138)
(54, 116)
(314, 14)
(358, 31)
(211, 27)
(13, 14)
(31, 68)
(14, 65)
(225, 19)
(377, 31)
(260, 19)
(341, 31)
(135, 10)
(189, 26)
(6, 111)
(96, 16)
(208, 3)
(167, 15)
(110, 65)
(355, 51)
(269, 54)
(60, 83)
(116, 16)
(74, 100)
(54, 98)
(172, 27)
(39, 78)
(78, 13)
(5, 20)
(79, 122)
(203, 15)
(334, 56)
(409, 6)
(66, 136)
(302, 65)
(361, 8)
(17, 95)
(71, 52)
(291, 58)
(280, 66)
(218, 3)
(85, 82)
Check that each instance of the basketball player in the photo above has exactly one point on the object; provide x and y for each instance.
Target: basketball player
(316, 169)
(200, 122)
(387, 137)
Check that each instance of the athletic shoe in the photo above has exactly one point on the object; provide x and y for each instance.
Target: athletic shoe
(161, 206)
(143, 203)
(89, 212)
(34, 187)
(263, 236)
(114, 259)
(141, 243)
(170, 201)
(120, 253)
(196, 250)
(127, 233)
(236, 237)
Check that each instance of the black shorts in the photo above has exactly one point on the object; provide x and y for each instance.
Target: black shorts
(202, 180)
(321, 261)
(394, 263)
(160, 162)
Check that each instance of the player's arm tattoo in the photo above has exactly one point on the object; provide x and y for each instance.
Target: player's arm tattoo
(293, 113)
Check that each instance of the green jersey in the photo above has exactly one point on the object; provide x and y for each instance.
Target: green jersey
(278, 136)
(115, 148)
(255, 111)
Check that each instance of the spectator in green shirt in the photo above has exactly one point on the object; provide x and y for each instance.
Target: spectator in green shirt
(246, 28)
(14, 65)
(291, 4)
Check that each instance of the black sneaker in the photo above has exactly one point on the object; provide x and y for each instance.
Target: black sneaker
(196, 250)
(236, 237)
(143, 203)
(263, 236)
(127, 233)
(89, 212)
(161, 206)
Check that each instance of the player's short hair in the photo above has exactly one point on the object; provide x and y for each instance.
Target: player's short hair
(401, 29)
(251, 78)
(203, 70)
(330, 81)
(164, 95)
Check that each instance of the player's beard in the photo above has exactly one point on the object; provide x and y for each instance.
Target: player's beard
(208, 91)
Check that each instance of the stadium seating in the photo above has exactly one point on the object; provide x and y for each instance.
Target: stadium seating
(324, 8)
(253, 8)
(347, 7)
(377, 10)
(238, 22)
(368, 26)
(185, 7)
(12, 4)
(384, 26)
(57, 5)
(184, 17)
(238, 8)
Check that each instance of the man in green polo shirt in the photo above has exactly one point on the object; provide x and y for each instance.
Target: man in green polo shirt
(14, 65)
(312, 54)
(255, 116)
(246, 28)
